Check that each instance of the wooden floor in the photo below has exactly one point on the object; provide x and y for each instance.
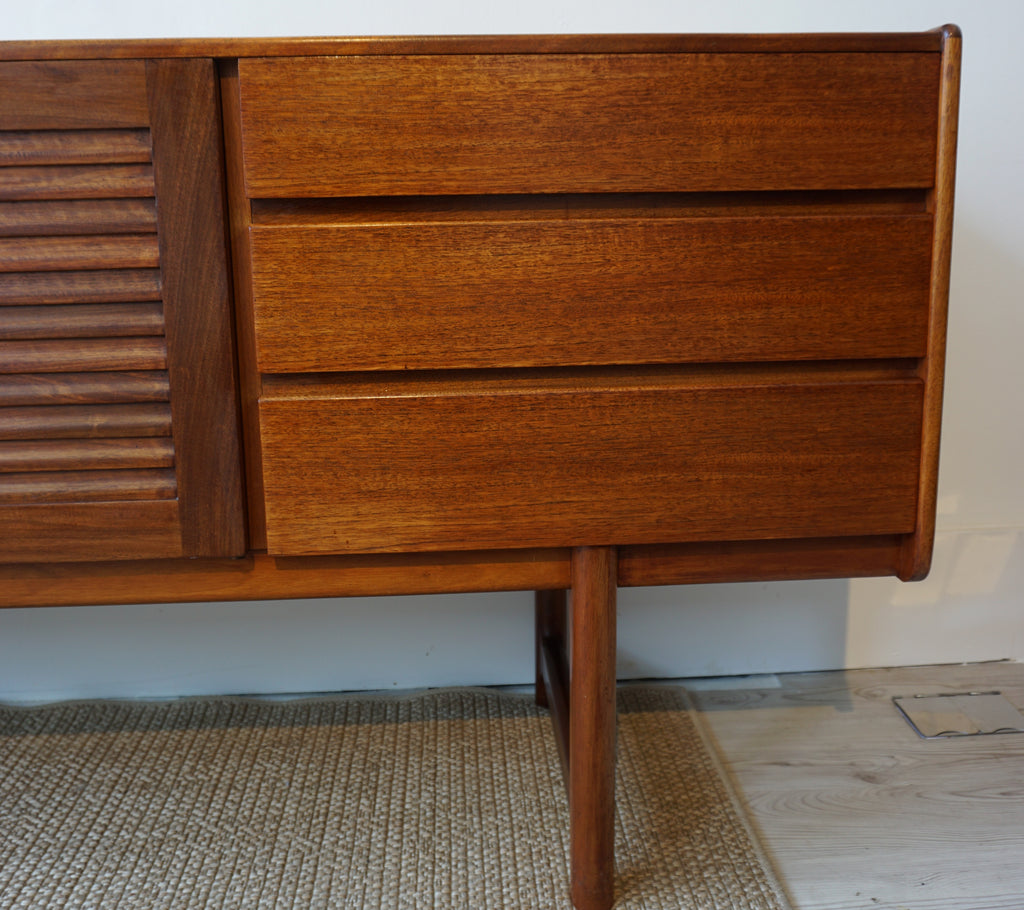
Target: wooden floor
(857, 811)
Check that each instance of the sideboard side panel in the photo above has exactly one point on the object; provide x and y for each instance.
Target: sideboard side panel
(917, 551)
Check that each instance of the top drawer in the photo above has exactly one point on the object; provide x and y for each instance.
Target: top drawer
(556, 123)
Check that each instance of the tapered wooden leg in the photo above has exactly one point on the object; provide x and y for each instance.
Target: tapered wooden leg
(549, 625)
(592, 728)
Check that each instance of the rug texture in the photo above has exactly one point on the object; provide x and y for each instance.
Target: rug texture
(449, 799)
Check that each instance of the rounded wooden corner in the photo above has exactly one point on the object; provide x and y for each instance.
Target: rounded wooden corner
(916, 559)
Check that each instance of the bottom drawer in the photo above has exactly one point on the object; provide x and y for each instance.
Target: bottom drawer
(435, 464)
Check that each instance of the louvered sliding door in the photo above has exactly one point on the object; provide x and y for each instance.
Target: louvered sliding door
(118, 426)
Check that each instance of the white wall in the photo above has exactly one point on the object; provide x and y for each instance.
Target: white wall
(972, 606)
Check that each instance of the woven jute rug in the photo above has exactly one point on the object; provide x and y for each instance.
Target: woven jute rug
(450, 799)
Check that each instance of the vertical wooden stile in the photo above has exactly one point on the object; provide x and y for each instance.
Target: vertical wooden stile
(917, 549)
(188, 170)
(239, 222)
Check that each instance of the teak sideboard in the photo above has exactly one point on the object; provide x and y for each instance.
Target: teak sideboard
(320, 317)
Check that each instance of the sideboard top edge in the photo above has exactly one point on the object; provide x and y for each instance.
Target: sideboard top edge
(865, 42)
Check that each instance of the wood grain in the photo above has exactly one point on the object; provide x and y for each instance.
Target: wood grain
(551, 633)
(240, 219)
(592, 729)
(90, 216)
(86, 94)
(74, 147)
(552, 692)
(42, 254)
(448, 467)
(83, 388)
(856, 810)
(115, 320)
(113, 286)
(74, 487)
(86, 181)
(90, 531)
(85, 454)
(842, 42)
(758, 560)
(582, 292)
(188, 157)
(260, 577)
(85, 421)
(67, 355)
(918, 551)
(643, 122)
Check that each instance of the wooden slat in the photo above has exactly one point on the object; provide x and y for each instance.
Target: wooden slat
(636, 122)
(87, 181)
(571, 292)
(87, 94)
(103, 286)
(188, 157)
(85, 454)
(85, 354)
(86, 486)
(83, 388)
(74, 147)
(90, 216)
(59, 532)
(128, 251)
(116, 320)
(85, 421)
(641, 463)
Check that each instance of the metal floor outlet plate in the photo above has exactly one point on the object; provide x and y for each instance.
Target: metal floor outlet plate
(960, 714)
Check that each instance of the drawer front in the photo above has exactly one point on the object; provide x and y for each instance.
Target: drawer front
(427, 466)
(544, 293)
(553, 123)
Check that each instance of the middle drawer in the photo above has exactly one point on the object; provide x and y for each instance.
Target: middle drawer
(535, 293)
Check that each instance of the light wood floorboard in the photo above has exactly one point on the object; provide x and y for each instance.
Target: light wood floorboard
(859, 813)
